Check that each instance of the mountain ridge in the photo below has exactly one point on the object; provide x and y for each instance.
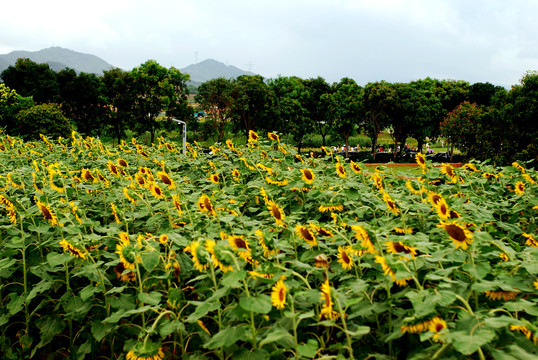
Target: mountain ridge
(59, 58)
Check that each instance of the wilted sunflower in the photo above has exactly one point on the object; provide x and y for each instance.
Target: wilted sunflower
(48, 214)
(277, 212)
(327, 308)
(166, 179)
(72, 249)
(205, 205)
(272, 136)
(340, 170)
(460, 234)
(200, 255)
(448, 170)
(308, 176)
(320, 231)
(520, 188)
(501, 295)
(305, 234)
(126, 252)
(278, 294)
(252, 136)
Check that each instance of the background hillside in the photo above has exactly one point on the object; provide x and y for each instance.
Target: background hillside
(58, 58)
(212, 69)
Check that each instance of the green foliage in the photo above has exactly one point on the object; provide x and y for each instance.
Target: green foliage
(46, 119)
(10, 104)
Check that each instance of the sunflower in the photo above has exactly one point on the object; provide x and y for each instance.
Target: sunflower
(48, 214)
(435, 198)
(72, 249)
(524, 330)
(344, 256)
(460, 234)
(124, 274)
(278, 294)
(489, 175)
(299, 157)
(501, 294)
(277, 212)
(156, 190)
(437, 325)
(112, 168)
(86, 175)
(531, 241)
(520, 188)
(272, 136)
(362, 235)
(399, 247)
(123, 163)
(177, 204)
(252, 136)
(214, 178)
(205, 205)
(529, 179)
(416, 328)
(236, 174)
(355, 167)
(327, 309)
(126, 252)
(257, 274)
(320, 231)
(326, 150)
(230, 144)
(276, 182)
(448, 170)
(387, 270)
(308, 176)
(240, 244)
(378, 181)
(199, 254)
(305, 234)
(442, 209)
(326, 208)
(163, 239)
(391, 204)
(115, 213)
(470, 167)
(421, 161)
(220, 259)
(519, 167)
(146, 350)
(269, 250)
(166, 179)
(340, 170)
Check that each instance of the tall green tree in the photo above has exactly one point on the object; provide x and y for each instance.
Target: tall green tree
(290, 99)
(215, 97)
(46, 119)
(378, 98)
(120, 97)
(82, 100)
(317, 108)
(347, 108)
(10, 104)
(29, 78)
(159, 90)
(251, 102)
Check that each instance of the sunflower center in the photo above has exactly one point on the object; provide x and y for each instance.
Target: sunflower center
(281, 295)
(276, 213)
(439, 327)
(240, 243)
(306, 234)
(345, 258)
(308, 175)
(456, 232)
(46, 213)
(165, 179)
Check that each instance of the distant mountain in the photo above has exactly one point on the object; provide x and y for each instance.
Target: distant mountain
(212, 69)
(58, 59)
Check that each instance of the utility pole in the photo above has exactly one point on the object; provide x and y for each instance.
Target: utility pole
(181, 122)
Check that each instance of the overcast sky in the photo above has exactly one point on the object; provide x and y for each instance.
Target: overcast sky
(368, 40)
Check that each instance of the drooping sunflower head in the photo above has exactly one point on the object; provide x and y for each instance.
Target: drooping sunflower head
(421, 160)
(391, 204)
(48, 214)
(205, 205)
(123, 163)
(519, 167)
(399, 247)
(112, 168)
(305, 234)
(435, 198)
(355, 167)
(460, 234)
(156, 190)
(308, 176)
(146, 350)
(72, 249)
(126, 252)
(252, 136)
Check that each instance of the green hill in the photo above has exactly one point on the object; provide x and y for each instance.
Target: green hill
(212, 69)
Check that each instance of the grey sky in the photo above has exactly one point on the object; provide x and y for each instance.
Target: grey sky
(367, 40)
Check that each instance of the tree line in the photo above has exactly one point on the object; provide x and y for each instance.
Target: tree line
(482, 120)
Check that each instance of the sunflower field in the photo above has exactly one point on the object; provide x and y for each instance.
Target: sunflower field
(145, 253)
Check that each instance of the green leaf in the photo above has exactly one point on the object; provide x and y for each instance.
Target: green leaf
(16, 303)
(202, 309)
(260, 304)
(167, 327)
(359, 331)
(233, 279)
(6, 263)
(150, 260)
(478, 271)
(522, 305)
(309, 349)
(226, 337)
(100, 330)
(55, 259)
(276, 334)
(153, 298)
(118, 315)
(41, 286)
(467, 343)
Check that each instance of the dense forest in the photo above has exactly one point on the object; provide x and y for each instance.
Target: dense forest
(482, 120)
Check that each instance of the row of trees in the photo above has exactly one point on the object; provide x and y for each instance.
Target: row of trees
(483, 120)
